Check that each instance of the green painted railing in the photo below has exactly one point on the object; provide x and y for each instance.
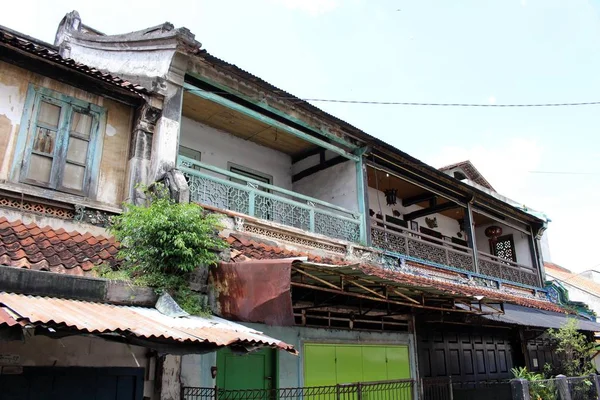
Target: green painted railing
(226, 190)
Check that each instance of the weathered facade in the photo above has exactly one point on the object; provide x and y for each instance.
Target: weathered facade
(343, 246)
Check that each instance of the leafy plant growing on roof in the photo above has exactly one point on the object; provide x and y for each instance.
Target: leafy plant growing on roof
(163, 241)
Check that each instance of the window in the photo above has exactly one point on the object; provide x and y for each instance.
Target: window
(263, 205)
(190, 153)
(504, 248)
(249, 173)
(61, 149)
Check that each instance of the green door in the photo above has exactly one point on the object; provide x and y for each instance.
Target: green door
(330, 364)
(250, 371)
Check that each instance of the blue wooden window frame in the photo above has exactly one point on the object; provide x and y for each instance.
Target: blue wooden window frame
(29, 124)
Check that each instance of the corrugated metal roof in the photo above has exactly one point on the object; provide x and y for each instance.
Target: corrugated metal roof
(525, 316)
(147, 323)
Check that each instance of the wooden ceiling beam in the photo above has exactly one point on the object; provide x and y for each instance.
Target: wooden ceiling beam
(409, 201)
(430, 210)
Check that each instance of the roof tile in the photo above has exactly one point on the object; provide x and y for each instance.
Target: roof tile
(253, 248)
(55, 250)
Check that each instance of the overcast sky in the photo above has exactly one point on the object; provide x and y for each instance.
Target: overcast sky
(479, 51)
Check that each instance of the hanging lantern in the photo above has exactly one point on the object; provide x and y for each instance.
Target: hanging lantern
(391, 196)
(493, 232)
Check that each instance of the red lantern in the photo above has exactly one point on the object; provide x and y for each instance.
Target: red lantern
(493, 232)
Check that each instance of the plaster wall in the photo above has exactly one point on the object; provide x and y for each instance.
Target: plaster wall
(79, 351)
(218, 148)
(336, 185)
(446, 225)
(521, 240)
(14, 82)
(196, 368)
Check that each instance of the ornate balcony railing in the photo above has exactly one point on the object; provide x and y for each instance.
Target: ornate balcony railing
(507, 270)
(419, 245)
(226, 190)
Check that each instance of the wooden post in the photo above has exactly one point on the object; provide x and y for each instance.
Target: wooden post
(470, 231)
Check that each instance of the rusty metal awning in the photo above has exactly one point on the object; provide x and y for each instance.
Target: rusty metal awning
(136, 325)
(374, 284)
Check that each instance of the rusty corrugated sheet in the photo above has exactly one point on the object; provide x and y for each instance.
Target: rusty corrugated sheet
(147, 323)
(254, 291)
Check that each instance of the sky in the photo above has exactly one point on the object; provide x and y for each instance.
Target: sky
(460, 51)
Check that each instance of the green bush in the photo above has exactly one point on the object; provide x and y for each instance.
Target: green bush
(163, 241)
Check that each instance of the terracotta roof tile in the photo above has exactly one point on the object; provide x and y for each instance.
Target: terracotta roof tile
(566, 277)
(262, 249)
(56, 250)
(246, 247)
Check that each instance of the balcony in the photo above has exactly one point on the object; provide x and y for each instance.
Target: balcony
(428, 226)
(226, 190)
(419, 245)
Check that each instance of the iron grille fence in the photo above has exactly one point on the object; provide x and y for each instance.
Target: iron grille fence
(446, 389)
(561, 388)
(384, 390)
(216, 187)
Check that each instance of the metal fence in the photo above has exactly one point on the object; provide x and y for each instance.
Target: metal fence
(384, 390)
(445, 389)
(560, 388)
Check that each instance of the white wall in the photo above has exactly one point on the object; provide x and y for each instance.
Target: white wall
(219, 147)
(522, 248)
(446, 226)
(576, 294)
(545, 245)
(336, 185)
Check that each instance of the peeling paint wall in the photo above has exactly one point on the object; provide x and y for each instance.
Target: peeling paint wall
(218, 148)
(14, 82)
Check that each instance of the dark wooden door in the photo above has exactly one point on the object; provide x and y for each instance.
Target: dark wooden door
(70, 383)
(467, 355)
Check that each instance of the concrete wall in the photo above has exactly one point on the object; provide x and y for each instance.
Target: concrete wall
(14, 82)
(576, 294)
(78, 351)
(336, 185)
(446, 225)
(196, 368)
(522, 248)
(218, 148)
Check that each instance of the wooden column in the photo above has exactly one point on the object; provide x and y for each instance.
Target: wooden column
(470, 231)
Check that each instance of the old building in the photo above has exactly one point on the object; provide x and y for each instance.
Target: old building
(372, 264)
(65, 169)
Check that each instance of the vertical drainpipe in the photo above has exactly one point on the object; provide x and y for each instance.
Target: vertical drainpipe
(361, 192)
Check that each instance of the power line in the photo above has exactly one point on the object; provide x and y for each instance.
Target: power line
(400, 103)
(426, 104)
(564, 172)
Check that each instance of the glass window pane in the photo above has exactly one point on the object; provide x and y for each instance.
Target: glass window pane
(81, 123)
(77, 150)
(40, 168)
(49, 114)
(45, 140)
(73, 176)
